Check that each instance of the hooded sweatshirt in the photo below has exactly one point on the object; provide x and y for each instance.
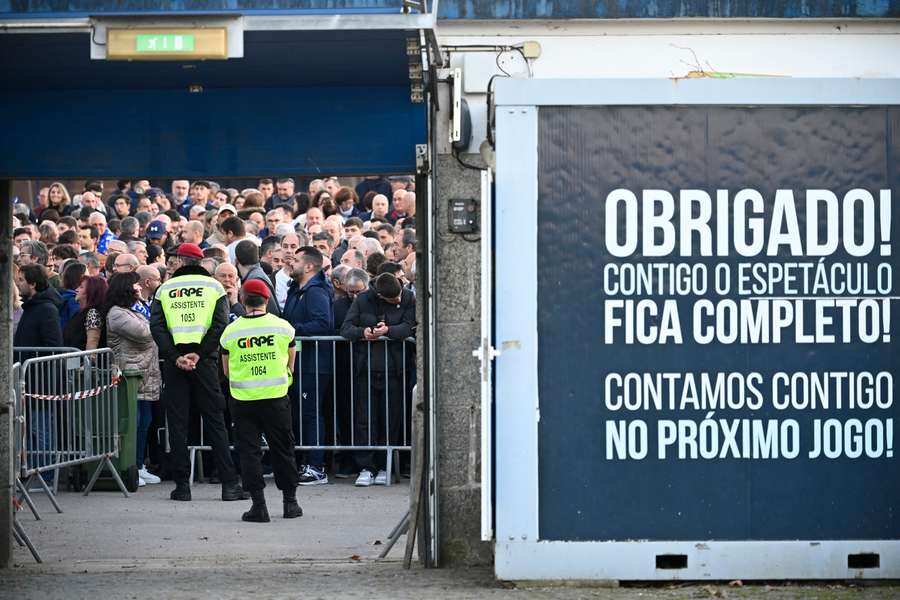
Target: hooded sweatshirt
(68, 308)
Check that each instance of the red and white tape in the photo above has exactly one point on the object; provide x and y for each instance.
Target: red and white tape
(80, 395)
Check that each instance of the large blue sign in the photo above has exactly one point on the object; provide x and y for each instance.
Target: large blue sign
(716, 294)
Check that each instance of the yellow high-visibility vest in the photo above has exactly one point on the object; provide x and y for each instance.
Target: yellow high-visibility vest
(258, 349)
(188, 303)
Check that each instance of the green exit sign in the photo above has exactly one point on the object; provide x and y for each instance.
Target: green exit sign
(164, 42)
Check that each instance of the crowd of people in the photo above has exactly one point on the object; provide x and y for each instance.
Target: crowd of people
(335, 261)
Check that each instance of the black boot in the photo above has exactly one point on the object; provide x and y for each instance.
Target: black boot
(258, 513)
(233, 491)
(182, 492)
(292, 510)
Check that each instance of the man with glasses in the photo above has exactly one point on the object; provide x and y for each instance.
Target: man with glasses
(32, 252)
(125, 263)
(355, 282)
(149, 281)
(348, 284)
(274, 218)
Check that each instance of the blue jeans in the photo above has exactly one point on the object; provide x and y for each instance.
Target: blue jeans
(42, 427)
(144, 417)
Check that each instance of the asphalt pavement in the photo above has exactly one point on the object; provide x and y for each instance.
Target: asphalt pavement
(146, 546)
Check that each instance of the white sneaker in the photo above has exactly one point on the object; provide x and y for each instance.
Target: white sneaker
(141, 482)
(148, 477)
(364, 479)
(381, 478)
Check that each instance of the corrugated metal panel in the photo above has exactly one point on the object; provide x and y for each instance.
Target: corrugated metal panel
(225, 132)
(664, 9)
(85, 8)
(303, 103)
(475, 9)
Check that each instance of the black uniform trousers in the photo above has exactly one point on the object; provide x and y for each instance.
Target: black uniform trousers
(271, 417)
(200, 387)
(378, 416)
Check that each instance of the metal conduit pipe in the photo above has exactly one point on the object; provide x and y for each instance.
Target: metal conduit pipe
(73, 25)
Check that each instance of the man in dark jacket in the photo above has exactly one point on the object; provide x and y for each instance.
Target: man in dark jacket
(246, 256)
(384, 310)
(309, 308)
(38, 326)
(187, 318)
(353, 283)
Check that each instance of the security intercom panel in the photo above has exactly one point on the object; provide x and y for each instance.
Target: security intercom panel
(464, 215)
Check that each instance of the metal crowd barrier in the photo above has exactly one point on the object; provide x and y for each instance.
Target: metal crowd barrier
(369, 430)
(19, 534)
(67, 415)
(20, 355)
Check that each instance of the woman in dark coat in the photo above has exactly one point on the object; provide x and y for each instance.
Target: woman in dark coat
(86, 330)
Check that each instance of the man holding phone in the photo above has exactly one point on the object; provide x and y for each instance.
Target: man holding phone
(385, 310)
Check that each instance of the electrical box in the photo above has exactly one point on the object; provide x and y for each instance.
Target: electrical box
(464, 215)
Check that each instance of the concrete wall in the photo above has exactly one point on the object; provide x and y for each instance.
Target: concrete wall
(457, 388)
(6, 455)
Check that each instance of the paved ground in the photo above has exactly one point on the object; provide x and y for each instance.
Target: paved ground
(106, 546)
(339, 521)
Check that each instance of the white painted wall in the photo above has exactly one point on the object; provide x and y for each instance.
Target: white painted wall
(664, 49)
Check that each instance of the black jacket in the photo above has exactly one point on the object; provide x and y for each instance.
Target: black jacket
(338, 253)
(256, 272)
(39, 324)
(341, 308)
(209, 345)
(366, 311)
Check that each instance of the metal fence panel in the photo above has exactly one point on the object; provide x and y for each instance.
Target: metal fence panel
(67, 412)
(382, 423)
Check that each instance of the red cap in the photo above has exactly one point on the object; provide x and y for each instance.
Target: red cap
(255, 286)
(192, 250)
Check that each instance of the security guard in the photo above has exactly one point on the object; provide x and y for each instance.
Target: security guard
(258, 358)
(187, 317)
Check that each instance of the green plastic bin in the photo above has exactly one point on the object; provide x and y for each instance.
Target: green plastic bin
(125, 464)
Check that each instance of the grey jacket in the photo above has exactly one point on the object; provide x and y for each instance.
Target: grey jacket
(256, 272)
(128, 334)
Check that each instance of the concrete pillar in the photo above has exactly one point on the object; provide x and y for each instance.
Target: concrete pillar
(457, 373)
(6, 438)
